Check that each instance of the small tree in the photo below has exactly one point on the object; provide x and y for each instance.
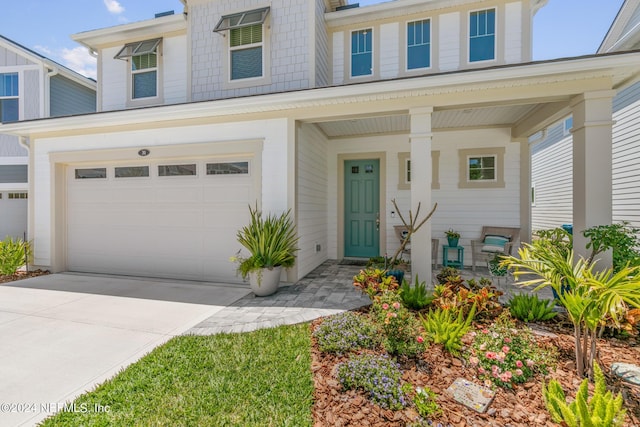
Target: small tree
(412, 226)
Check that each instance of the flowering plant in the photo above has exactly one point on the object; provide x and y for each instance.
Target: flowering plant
(504, 355)
(374, 282)
(346, 332)
(399, 326)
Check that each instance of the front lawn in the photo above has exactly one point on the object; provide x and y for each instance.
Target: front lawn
(262, 378)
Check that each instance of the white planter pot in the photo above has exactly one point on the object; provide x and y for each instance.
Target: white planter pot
(265, 281)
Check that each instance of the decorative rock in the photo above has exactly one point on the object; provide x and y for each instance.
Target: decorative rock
(628, 372)
(472, 395)
(491, 412)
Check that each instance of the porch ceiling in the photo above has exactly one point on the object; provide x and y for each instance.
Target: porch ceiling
(505, 115)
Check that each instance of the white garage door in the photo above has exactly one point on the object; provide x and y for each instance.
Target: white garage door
(13, 214)
(174, 219)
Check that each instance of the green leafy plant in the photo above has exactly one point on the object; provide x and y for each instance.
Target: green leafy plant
(14, 253)
(400, 328)
(504, 355)
(377, 375)
(452, 234)
(455, 296)
(621, 238)
(271, 240)
(602, 410)
(529, 308)
(416, 297)
(425, 402)
(446, 328)
(446, 273)
(374, 282)
(592, 299)
(345, 332)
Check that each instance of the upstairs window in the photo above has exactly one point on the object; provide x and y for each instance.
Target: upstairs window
(9, 111)
(482, 35)
(245, 49)
(362, 53)
(419, 44)
(144, 67)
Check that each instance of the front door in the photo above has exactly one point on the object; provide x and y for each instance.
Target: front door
(362, 208)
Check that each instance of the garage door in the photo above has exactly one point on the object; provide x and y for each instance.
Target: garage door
(173, 219)
(13, 214)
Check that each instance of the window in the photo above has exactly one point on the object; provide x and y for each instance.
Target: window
(91, 173)
(533, 194)
(404, 181)
(245, 50)
(419, 44)
(16, 196)
(131, 171)
(9, 111)
(176, 170)
(567, 126)
(482, 35)
(144, 67)
(362, 53)
(230, 168)
(481, 168)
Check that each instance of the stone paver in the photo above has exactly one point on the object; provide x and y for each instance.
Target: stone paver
(325, 291)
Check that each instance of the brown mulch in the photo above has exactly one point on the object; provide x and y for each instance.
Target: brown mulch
(437, 369)
(22, 275)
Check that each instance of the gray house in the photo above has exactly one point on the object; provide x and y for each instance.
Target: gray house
(31, 87)
(551, 171)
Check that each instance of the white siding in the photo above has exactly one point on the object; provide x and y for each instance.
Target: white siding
(9, 57)
(389, 50)
(322, 46)
(513, 33)
(338, 57)
(10, 147)
(312, 214)
(112, 81)
(33, 108)
(465, 210)
(449, 40)
(626, 157)
(175, 72)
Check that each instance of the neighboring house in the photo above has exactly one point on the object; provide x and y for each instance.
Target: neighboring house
(31, 87)
(551, 166)
(308, 105)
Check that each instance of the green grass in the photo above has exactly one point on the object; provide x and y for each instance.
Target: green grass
(261, 378)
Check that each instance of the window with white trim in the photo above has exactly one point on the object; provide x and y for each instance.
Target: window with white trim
(482, 35)
(143, 56)
(362, 53)
(245, 52)
(9, 98)
(419, 44)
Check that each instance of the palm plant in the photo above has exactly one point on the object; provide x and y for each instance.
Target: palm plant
(271, 240)
(592, 299)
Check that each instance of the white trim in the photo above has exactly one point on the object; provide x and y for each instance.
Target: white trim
(373, 48)
(495, 36)
(406, 45)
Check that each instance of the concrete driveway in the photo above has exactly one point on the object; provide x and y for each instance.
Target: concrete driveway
(63, 334)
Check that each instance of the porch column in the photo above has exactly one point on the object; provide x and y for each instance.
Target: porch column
(592, 158)
(525, 190)
(420, 139)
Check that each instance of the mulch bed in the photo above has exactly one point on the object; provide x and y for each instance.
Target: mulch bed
(437, 369)
(22, 275)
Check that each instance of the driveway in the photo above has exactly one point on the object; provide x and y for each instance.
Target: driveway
(62, 334)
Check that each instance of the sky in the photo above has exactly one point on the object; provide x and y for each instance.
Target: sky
(562, 28)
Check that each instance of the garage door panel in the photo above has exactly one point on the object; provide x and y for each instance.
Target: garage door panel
(173, 227)
(13, 217)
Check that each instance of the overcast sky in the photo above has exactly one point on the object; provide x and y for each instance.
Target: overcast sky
(562, 28)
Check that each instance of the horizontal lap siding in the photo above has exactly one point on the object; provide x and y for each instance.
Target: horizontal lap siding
(68, 97)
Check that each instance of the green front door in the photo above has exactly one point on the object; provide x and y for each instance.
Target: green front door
(362, 208)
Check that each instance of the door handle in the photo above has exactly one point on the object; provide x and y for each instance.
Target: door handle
(377, 221)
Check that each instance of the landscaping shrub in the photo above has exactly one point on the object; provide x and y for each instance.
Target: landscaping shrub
(504, 355)
(416, 297)
(13, 255)
(459, 298)
(603, 410)
(529, 308)
(377, 375)
(621, 238)
(426, 403)
(446, 273)
(400, 328)
(374, 282)
(345, 332)
(444, 327)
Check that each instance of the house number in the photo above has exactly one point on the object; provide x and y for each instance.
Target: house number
(144, 152)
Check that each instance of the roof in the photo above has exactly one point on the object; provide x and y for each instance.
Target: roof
(624, 33)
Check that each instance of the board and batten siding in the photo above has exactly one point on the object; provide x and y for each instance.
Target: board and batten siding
(68, 97)
(463, 209)
(9, 58)
(10, 147)
(33, 108)
(626, 156)
(311, 190)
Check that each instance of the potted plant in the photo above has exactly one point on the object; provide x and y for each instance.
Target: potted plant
(271, 240)
(452, 237)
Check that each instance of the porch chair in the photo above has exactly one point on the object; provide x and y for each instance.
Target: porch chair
(401, 234)
(493, 240)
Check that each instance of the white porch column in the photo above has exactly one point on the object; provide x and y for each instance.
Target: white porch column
(592, 158)
(420, 139)
(525, 190)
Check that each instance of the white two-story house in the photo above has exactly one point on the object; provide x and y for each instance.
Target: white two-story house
(328, 110)
(31, 87)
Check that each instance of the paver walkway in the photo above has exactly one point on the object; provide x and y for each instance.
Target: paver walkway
(325, 291)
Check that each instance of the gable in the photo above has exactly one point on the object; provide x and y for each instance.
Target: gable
(10, 57)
